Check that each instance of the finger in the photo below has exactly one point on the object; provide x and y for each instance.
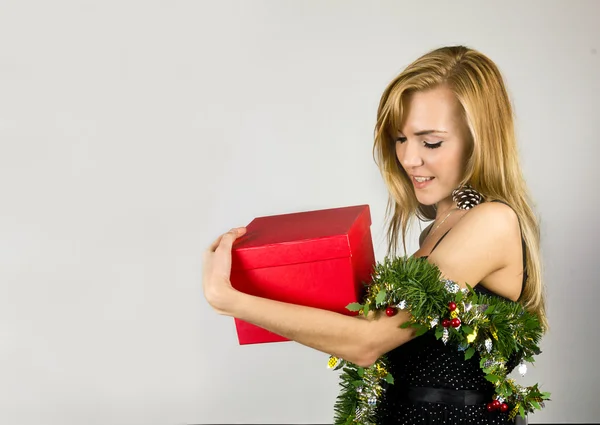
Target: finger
(213, 246)
(229, 238)
(235, 233)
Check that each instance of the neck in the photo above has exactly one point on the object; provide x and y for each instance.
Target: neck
(443, 207)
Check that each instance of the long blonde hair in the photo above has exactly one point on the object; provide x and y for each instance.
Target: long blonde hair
(492, 168)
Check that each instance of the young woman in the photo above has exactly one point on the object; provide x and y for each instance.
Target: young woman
(445, 144)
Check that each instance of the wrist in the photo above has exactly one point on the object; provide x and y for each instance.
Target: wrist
(228, 302)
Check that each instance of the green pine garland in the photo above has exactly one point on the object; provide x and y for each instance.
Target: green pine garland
(495, 328)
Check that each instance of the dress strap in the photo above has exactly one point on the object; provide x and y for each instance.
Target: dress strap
(439, 240)
(522, 248)
(443, 236)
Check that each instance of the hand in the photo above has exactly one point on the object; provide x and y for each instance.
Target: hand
(216, 271)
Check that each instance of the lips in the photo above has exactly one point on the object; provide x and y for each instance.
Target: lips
(424, 181)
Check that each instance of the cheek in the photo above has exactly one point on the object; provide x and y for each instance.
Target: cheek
(454, 164)
(398, 150)
(443, 164)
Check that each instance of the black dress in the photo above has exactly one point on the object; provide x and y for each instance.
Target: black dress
(434, 384)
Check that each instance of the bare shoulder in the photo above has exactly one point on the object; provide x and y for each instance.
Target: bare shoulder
(479, 244)
(494, 216)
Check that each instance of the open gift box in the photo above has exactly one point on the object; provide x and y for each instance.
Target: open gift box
(317, 258)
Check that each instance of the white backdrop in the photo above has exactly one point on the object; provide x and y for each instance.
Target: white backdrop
(133, 133)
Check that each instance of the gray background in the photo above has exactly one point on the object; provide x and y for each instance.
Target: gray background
(133, 133)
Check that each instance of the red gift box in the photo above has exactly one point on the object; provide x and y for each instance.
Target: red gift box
(317, 258)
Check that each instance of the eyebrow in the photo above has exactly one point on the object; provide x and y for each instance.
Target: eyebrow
(425, 132)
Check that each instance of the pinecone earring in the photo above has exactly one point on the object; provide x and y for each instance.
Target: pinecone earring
(466, 197)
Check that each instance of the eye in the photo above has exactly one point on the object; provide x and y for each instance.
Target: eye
(432, 145)
(401, 139)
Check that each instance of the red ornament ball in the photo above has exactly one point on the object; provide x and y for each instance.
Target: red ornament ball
(390, 311)
(496, 404)
(455, 322)
(490, 407)
(445, 323)
(452, 306)
(504, 407)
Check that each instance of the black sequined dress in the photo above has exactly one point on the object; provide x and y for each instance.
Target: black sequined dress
(423, 369)
(435, 385)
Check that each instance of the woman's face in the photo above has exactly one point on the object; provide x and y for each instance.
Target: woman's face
(432, 144)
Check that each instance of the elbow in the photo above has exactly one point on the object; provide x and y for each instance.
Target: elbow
(375, 340)
(366, 355)
(368, 352)
(366, 362)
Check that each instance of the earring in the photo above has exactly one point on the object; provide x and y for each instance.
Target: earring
(466, 197)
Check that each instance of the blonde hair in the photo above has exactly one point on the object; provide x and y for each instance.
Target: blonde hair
(492, 167)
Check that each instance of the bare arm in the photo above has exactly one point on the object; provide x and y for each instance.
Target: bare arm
(359, 341)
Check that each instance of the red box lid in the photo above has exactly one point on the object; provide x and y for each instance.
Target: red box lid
(298, 237)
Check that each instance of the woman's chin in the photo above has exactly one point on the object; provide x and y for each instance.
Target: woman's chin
(428, 201)
(431, 199)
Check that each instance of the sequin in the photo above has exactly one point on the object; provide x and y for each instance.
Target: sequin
(428, 362)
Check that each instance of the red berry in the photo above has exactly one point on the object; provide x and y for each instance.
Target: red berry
(490, 407)
(446, 323)
(455, 322)
(390, 311)
(504, 407)
(452, 306)
(496, 404)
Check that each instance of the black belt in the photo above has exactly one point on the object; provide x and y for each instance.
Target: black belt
(446, 396)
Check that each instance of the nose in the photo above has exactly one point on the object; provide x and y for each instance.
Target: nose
(408, 154)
